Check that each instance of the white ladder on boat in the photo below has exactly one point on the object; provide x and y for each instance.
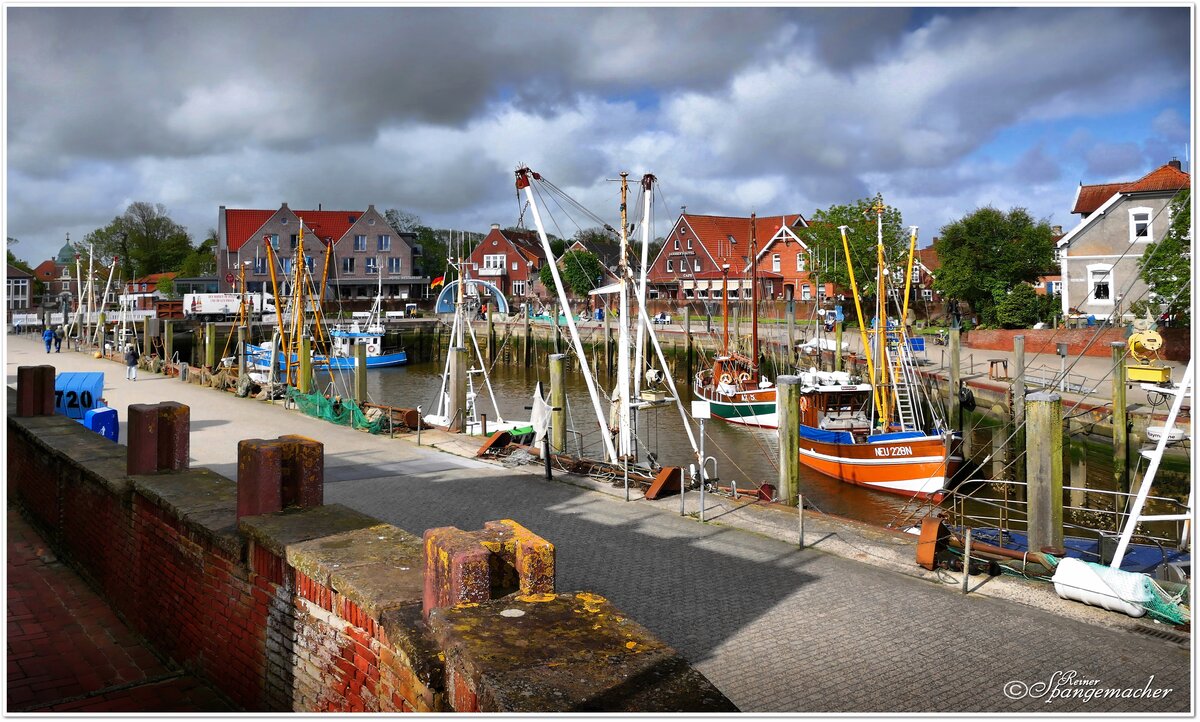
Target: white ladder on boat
(902, 383)
(1184, 389)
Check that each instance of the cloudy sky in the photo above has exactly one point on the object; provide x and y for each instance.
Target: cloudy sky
(774, 110)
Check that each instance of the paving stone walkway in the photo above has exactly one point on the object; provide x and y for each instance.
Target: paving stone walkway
(67, 650)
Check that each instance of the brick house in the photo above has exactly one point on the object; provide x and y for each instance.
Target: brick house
(58, 276)
(19, 289)
(690, 264)
(365, 249)
(1099, 257)
(143, 292)
(511, 260)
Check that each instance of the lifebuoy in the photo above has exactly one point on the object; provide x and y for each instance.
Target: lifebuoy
(804, 403)
(726, 378)
(370, 348)
(744, 377)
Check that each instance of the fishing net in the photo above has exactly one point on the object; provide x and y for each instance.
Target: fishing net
(343, 412)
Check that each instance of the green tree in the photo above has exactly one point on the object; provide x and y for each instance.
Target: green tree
(825, 242)
(1164, 266)
(166, 286)
(989, 252)
(202, 261)
(1021, 307)
(144, 240)
(580, 271)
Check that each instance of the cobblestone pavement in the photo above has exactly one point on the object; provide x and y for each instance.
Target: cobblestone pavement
(68, 652)
(777, 630)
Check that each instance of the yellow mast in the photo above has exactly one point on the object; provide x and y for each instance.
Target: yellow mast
(881, 326)
(912, 251)
(283, 335)
(862, 327)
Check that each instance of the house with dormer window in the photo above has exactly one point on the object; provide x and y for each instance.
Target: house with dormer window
(705, 256)
(1118, 221)
(510, 259)
(365, 249)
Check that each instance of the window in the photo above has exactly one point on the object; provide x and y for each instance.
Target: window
(348, 265)
(360, 243)
(385, 242)
(518, 288)
(916, 274)
(275, 241)
(494, 261)
(287, 266)
(18, 293)
(1141, 229)
(1100, 283)
(821, 294)
(702, 293)
(775, 263)
(352, 219)
(295, 241)
(688, 293)
(670, 263)
(283, 221)
(514, 265)
(799, 261)
(689, 244)
(372, 266)
(1057, 254)
(806, 292)
(926, 294)
(394, 265)
(308, 263)
(716, 293)
(677, 244)
(696, 265)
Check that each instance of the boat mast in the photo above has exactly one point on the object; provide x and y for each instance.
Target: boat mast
(862, 327)
(524, 179)
(623, 382)
(725, 309)
(639, 348)
(881, 323)
(753, 298)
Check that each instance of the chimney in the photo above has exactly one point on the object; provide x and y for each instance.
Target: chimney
(495, 226)
(1056, 230)
(1176, 164)
(318, 206)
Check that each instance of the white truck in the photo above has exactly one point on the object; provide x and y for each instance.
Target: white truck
(224, 306)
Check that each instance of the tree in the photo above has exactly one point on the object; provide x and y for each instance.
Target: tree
(144, 239)
(1020, 307)
(987, 253)
(166, 286)
(202, 261)
(402, 221)
(581, 271)
(1165, 264)
(825, 243)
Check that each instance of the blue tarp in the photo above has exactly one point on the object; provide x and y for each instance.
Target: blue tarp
(828, 437)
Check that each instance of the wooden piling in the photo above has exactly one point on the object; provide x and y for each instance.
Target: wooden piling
(687, 340)
(790, 309)
(241, 351)
(954, 407)
(558, 400)
(525, 350)
(168, 341)
(1120, 420)
(360, 374)
(1044, 470)
(787, 406)
(837, 352)
(304, 373)
(491, 334)
(1018, 405)
(210, 345)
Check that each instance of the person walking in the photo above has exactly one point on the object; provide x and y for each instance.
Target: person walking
(59, 334)
(131, 359)
(48, 337)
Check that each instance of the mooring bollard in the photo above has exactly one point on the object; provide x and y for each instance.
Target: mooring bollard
(788, 410)
(1044, 472)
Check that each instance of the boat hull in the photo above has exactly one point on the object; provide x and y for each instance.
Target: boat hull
(759, 412)
(912, 467)
(260, 358)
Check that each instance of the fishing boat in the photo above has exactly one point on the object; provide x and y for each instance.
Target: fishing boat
(734, 386)
(473, 422)
(882, 432)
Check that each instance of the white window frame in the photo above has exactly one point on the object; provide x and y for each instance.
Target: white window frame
(518, 288)
(371, 266)
(260, 266)
(1092, 270)
(805, 292)
(695, 265)
(670, 263)
(776, 260)
(676, 244)
(348, 265)
(384, 241)
(799, 261)
(514, 265)
(494, 261)
(926, 294)
(916, 274)
(689, 244)
(360, 242)
(1133, 221)
(395, 265)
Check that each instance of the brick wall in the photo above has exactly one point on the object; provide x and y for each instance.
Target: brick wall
(321, 609)
(1086, 341)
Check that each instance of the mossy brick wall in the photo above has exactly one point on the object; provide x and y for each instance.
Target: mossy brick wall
(320, 609)
(1085, 341)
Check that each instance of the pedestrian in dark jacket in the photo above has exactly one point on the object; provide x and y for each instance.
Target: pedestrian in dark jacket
(131, 359)
(59, 334)
(48, 337)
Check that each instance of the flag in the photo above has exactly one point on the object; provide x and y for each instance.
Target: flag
(437, 282)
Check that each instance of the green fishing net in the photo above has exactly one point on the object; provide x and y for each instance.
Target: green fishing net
(343, 412)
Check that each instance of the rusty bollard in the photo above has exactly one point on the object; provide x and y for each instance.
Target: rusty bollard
(277, 473)
(502, 558)
(35, 391)
(159, 437)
